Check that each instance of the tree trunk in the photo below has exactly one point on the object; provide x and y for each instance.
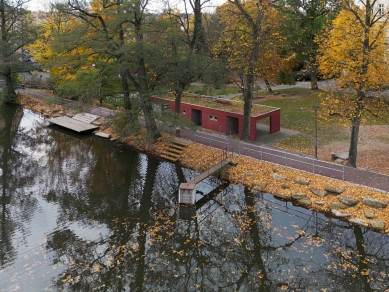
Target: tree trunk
(151, 126)
(314, 85)
(123, 69)
(177, 99)
(353, 150)
(248, 102)
(11, 94)
(268, 85)
(355, 123)
(197, 44)
(10, 91)
(198, 39)
(126, 91)
(361, 91)
(249, 77)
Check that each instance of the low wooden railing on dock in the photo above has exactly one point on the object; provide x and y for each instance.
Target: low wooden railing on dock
(218, 161)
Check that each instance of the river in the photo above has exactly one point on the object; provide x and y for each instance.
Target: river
(79, 213)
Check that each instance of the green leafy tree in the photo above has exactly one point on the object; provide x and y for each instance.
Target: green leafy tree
(302, 22)
(17, 29)
(118, 32)
(185, 44)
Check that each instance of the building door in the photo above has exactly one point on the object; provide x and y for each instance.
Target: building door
(232, 125)
(197, 117)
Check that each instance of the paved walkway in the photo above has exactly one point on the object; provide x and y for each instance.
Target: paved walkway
(300, 162)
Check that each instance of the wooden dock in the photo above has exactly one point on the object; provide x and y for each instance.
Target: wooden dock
(72, 124)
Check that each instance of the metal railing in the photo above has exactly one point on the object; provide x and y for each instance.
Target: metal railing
(279, 157)
(288, 159)
(210, 161)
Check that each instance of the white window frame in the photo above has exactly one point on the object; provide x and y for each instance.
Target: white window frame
(381, 9)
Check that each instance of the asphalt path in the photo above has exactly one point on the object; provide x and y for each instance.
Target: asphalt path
(305, 163)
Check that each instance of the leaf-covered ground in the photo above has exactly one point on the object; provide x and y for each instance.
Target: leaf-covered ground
(252, 173)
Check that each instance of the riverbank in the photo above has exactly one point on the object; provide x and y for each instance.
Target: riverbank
(333, 197)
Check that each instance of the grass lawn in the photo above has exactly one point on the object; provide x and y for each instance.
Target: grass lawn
(234, 106)
(211, 91)
(297, 114)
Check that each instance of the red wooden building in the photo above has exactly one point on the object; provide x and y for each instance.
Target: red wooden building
(223, 121)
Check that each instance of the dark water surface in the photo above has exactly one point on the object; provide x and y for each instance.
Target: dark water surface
(81, 214)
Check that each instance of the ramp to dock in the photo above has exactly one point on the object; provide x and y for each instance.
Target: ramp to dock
(209, 172)
(72, 124)
(187, 191)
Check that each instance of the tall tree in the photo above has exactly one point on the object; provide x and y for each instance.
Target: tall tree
(117, 31)
(17, 30)
(250, 28)
(187, 47)
(354, 51)
(50, 23)
(302, 22)
(100, 37)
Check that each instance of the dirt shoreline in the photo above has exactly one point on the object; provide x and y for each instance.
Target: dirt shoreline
(284, 183)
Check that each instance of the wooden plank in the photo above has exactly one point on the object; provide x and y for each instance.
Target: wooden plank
(209, 172)
(72, 124)
(86, 118)
(103, 135)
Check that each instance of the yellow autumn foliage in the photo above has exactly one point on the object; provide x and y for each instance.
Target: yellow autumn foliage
(236, 39)
(342, 53)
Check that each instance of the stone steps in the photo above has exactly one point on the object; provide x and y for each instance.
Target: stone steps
(175, 149)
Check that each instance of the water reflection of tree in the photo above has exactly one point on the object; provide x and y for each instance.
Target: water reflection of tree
(17, 178)
(231, 244)
(91, 179)
(122, 252)
(360, 259)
